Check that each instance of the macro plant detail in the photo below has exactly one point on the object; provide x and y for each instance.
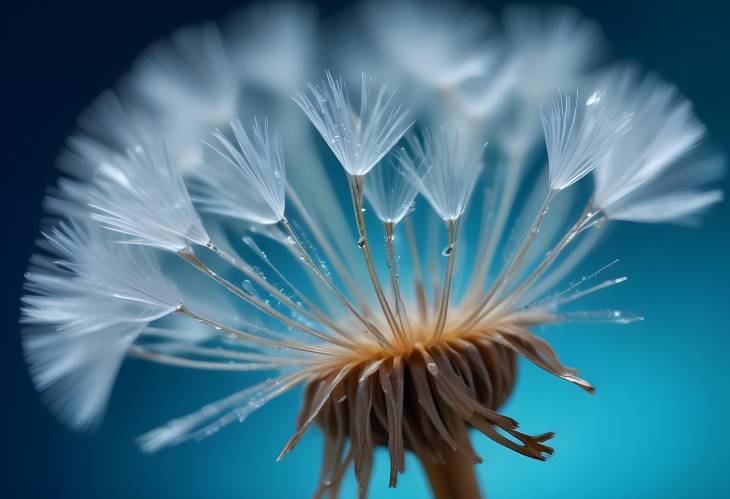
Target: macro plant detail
(198, 224)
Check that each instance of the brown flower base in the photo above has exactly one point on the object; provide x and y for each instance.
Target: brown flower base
(425, 401)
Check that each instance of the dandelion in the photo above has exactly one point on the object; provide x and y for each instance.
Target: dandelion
(412, 363)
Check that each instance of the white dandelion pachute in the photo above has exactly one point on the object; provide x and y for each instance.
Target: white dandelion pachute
(359, 139)
(655, 173)
(143, 196)
(580, 131)
(247, 182)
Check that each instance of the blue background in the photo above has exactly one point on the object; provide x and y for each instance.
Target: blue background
(657, 426)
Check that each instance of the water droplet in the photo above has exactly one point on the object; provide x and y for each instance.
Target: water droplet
(361, 242)
(448, 250)
(248, 287)
(594, 98)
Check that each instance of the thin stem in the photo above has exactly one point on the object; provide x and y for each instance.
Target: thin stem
(400, 307)
(314, 314)
(225, 353)
(171, 360)
(337, 263)
(331, 286)
(357, 190)
(452, 228)
(576, 255)
(249, 272)
(189, 257)
(433, 257)
(417, 273)
(488, 242)
(453, 479)
(584, 221)
(251, 338)
(321, 289)
(254, 397)
(509, 272)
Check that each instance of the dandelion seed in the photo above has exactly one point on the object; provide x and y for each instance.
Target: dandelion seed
(446, 169)
(358, 140)
(250, 182)
(390, 190)
(579, 133)
(655, 173)
(142, 195)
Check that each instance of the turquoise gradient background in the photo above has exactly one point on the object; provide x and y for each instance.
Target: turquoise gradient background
(657, 427)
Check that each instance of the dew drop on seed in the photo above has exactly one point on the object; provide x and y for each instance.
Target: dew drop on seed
(248, 287)
(594, 98)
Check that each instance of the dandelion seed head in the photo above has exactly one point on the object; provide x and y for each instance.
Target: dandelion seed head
(404, 326)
